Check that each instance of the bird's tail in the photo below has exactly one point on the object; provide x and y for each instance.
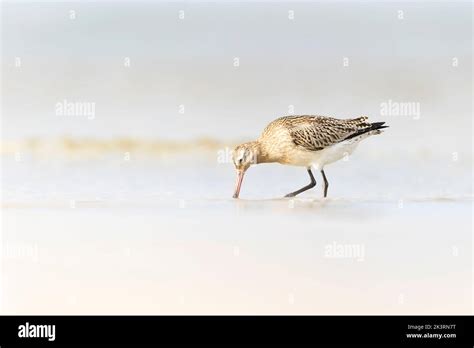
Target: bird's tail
(371, 129)
(376, 127)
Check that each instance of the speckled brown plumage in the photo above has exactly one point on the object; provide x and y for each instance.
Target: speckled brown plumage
(317, 132)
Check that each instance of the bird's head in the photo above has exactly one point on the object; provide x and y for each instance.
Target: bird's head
(243, 157)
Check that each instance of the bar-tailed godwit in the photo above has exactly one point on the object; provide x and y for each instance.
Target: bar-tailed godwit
(306, 141)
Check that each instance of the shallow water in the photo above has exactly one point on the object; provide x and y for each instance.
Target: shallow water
(165, 237)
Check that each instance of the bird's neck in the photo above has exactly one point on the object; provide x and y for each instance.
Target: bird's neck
(263, 155)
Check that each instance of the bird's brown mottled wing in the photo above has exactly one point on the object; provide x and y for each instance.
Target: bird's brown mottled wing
(317, 132)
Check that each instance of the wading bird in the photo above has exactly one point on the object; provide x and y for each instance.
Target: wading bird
(306, 141)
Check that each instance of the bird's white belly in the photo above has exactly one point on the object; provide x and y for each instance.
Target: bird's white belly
(333, 153)
(318, 159)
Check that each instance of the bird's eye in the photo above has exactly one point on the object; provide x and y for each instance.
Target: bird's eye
(240, 160)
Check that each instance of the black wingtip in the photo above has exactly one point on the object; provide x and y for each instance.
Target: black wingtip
(378, 124)
(373, 126)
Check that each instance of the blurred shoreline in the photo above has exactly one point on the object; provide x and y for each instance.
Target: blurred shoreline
(90, 147)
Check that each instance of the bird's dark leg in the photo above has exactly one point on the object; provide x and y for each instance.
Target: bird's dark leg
(307, 187)
(326, 184)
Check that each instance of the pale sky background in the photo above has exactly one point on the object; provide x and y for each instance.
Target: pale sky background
(189, 62)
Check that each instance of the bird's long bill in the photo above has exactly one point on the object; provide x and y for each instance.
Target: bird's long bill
(238, 184)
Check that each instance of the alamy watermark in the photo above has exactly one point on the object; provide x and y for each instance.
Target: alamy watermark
(224, 155)
(20, 251)
(345, 251)
(393, 108)
(28, 330)
(68, 108)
